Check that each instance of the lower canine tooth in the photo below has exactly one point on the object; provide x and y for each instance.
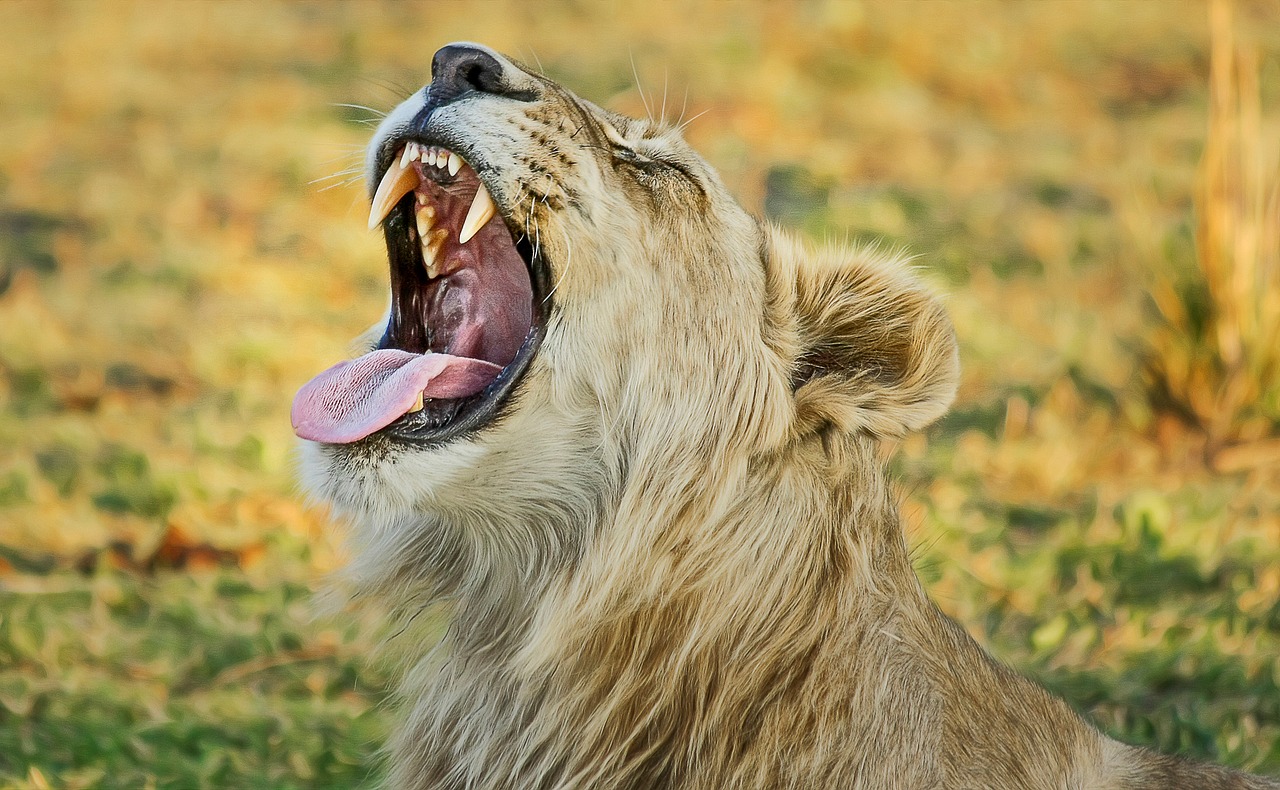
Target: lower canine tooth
(417, 405)
(481, 211)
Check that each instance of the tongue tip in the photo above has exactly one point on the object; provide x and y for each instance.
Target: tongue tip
(313, 422)
(326, 432)
(356, 398)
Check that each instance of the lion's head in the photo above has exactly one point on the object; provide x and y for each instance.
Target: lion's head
(582, 321)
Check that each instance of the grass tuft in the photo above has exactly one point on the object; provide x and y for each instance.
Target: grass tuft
(1215, 361)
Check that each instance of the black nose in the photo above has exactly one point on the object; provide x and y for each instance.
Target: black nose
(458, 68)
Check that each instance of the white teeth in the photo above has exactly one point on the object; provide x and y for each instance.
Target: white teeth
(481, 211)
(417, 405)
(424, 217)
(424, 220)
(431, 245)
(398, 180)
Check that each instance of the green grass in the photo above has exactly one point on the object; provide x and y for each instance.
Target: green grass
(180, 250)
(213, 679)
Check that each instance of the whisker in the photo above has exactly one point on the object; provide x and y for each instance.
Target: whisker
(534, 54)
(353, 159)
(352, 171)
(662, 114)
(640, 89)
(390, 86)
(568, 261)
(687, 123)
(337, 184)
(378, 113)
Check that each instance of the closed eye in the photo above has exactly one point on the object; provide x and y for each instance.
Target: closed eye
(647, 167)
(627, 156)
(651, 168)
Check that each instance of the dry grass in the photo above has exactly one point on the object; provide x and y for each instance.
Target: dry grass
(174, 268)
(1216, 361)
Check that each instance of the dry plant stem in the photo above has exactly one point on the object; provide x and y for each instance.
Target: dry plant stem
(1238, 236)
(1215, 363)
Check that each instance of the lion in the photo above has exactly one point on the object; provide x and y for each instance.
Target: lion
(626, 438)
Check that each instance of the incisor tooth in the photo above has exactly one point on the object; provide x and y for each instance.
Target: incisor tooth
(481, 211)
(430, 158)
(395, 183)
(455, 164)
(407, 156)
(443, 160)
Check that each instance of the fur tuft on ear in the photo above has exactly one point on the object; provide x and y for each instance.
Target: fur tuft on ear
(872, 349)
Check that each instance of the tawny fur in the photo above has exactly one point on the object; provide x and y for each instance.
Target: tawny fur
(675, 561)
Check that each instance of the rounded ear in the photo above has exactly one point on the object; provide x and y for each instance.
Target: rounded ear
(871, 348)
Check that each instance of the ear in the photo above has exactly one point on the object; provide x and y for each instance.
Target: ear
(871, 349)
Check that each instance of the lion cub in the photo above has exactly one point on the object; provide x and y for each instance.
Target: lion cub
(625, 436)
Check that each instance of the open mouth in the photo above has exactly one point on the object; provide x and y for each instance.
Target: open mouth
(467, 312)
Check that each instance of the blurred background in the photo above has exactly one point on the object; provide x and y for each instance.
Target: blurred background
(182, 244)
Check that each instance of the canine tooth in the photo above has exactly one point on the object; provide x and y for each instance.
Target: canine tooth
(481, 211)
(417, 405)
(455, 164)
(407, 155)
(395, 183)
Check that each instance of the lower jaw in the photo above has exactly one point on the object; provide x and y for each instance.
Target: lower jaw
(446, 421)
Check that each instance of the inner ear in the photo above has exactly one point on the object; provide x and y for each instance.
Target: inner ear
(872, 348)
(862, 349)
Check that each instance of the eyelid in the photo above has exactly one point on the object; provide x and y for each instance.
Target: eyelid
(624, 151)
(631, 154)
(614, 136)
(623, 146)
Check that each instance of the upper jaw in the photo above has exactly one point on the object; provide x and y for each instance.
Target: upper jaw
(416, 121)
(416, 168)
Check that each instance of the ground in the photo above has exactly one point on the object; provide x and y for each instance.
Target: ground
(182, 244)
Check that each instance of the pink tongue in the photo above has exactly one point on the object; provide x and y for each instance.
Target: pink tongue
(353, 399)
